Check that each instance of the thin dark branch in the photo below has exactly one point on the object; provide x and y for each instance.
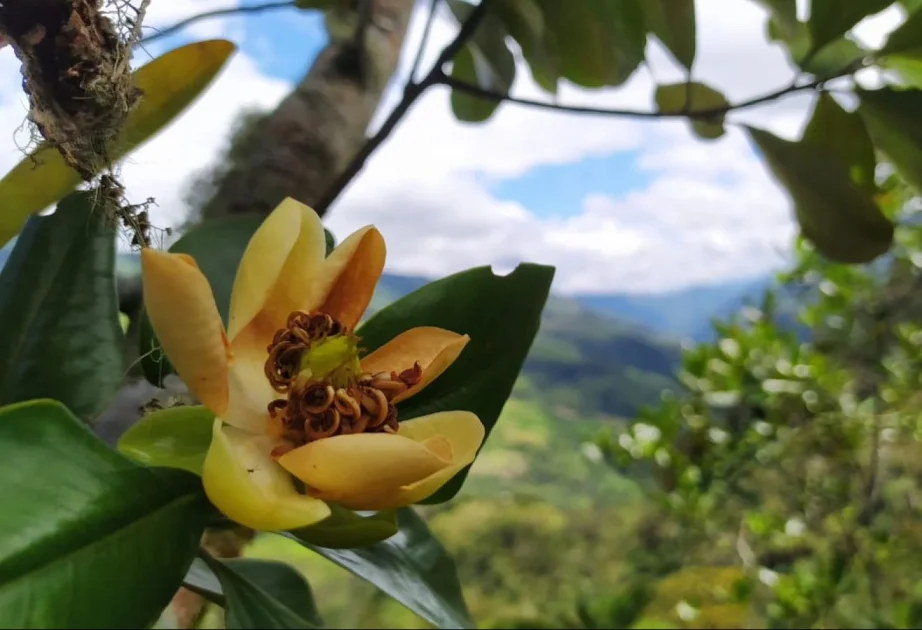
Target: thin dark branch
(253, 8)
(474, 90)
(430, 17)
(411, 92)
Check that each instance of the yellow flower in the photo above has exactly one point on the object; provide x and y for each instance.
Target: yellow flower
(291, 396)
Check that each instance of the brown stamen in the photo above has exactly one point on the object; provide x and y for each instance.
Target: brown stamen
(289, 344)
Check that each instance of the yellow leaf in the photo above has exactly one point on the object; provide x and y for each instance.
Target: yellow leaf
(170, 83)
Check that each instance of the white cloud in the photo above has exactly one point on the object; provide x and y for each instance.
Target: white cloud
(710, 212)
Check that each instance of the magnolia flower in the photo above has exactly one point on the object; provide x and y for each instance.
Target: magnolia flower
(293, 398)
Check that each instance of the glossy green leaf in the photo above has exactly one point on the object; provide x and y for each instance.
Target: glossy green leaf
(599, 43)
(525, 23)
(485, 62)
(413, 568)
(840, 218)
(217, 246)
(255, 593)
(89, 538)
(673, 23)
(170, 83)
(846, 137)
(831, 19)
(500, 313)
(905, 39)
(60, 335)
(177, 437)
(694, 97)
(344, 529)
(893, 120)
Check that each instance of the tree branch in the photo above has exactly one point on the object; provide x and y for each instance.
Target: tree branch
(253, 8)
(433, 5)
(476, 91)
(411, 92)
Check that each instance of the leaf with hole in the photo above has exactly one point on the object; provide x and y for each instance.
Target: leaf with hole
(89, 538)
(836, 215)
(694, 97)
(60, 335)
(170, 84)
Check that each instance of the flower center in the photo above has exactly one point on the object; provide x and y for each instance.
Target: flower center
(314, 361)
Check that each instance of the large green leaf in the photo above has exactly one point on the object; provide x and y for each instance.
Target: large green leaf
(89, 539)
(217, 246)
(485, 61)
(906, 39)
(599, 42)
(500, 313)
(839, 217)
(846, 137)
(673, 23)
(177, 437)
(839, 57)
(170, 83)
(524, 22)
(694, 97)
(831, 19)
(413, 568)
(344, 529)
(255, 593)
(60, 335)
(894, 122)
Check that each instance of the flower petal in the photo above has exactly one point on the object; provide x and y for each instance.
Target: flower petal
(243, 481)
(183, 314)
(279, 270)
(365, 471)
(462, 429)
(353, 270)
(434, 348)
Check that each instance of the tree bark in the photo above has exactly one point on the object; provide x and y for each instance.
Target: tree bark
(298, 150)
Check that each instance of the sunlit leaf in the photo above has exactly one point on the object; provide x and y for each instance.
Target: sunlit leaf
(694, 97)
(177, 437)
(170, 83)
(839, 217)
(89, 538)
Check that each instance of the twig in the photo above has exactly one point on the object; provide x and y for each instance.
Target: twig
(411, 92)
(430, 17)
(474, 90)
(253, 8)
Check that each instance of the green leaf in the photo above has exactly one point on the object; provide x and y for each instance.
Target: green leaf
(906, 39)
(170, 83)
(784, 14)
(673, 23)
(907, 69)
(256, 593)
(831, 19)
(524, 22)
(892, 118)
(835, 59)
(344, 529)
(841, 219)
(89, 538)
(413, 568)
(217, 245)
(485, 62)
(60, 335)
(846, 137)
(500, 313)
(177, 437)
(694, 97)
(599, 42)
